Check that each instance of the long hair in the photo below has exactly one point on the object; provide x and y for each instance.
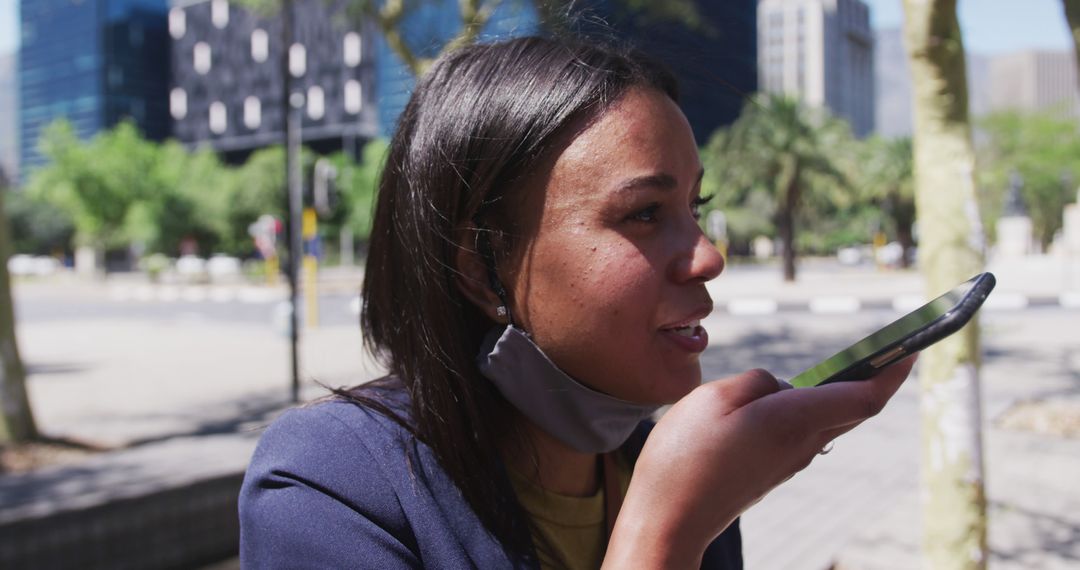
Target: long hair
(478, 126)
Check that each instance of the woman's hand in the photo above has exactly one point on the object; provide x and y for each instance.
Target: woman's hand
(721, 449)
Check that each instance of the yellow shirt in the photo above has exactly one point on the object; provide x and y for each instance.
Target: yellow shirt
(573, 526)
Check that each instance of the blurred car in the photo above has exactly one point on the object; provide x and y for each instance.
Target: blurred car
(223, 268)
(24, 265)
(191, 268)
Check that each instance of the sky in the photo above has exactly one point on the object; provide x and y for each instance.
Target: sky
(994, 26)
(989, 26)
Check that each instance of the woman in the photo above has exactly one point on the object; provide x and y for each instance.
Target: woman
(535, 286)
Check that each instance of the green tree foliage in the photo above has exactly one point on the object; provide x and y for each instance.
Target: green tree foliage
(38, 227)
(1044, 149)
(884, 180)
(119, 189)
(191, 203)
(96, 183)
(255, 188)
(780, 158)
(358, 184)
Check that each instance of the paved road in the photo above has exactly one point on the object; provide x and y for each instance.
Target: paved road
(135, 372)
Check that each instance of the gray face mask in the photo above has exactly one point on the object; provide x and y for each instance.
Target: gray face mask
(578, 416)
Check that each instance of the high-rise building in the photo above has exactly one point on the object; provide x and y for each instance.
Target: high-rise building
(1034, 80)
(978, 82)
(93, 63)
(822, 52)
(892, 80)
(892, 85)
(425, 30)
(227, 89)
(9, 109)
(716, 63)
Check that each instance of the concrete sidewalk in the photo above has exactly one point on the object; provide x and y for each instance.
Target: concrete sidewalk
(825, 286)
(858, 507)
(185, 400)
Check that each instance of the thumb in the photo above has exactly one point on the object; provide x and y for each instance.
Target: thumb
(741, 389)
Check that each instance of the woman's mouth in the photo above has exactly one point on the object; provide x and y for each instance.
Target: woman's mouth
(690, 336)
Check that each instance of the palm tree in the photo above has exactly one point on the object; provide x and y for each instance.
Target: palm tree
(787, 148)
(885, 174)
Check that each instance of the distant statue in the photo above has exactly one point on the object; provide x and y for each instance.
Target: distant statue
(1014, 200)
(1014, 228)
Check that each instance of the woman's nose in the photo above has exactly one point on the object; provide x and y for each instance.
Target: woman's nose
(701, 263)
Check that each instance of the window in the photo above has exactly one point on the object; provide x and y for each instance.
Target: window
(219, 13)
(178, 103)
(260, 45)
(352, 49)
(252, 112)
(202, 55)
(297, 60)
(353, 97)
(177, 23)
(316, 104)
(218, 119)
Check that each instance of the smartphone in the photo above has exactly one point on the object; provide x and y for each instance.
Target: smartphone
(908, 334)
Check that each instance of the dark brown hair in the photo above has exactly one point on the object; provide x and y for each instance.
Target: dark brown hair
(478, 126)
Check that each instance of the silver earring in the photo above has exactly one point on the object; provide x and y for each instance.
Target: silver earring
(500, 310)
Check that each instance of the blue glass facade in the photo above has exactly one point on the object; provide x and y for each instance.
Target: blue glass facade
(716, 64)
(426, 30)
(92, 62)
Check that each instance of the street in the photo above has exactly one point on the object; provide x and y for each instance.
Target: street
(129, 372)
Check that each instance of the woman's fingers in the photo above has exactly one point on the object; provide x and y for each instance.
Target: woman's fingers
(741, 389)
(833, 409)
(729, 442)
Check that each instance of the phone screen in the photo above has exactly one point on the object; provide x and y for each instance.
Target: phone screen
(883, 338)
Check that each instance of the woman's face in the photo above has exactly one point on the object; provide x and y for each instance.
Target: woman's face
(612, 284)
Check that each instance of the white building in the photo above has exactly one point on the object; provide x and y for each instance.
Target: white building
(821, 51)
(1034, 81)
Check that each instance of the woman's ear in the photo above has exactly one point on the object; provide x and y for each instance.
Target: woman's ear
(473, 278)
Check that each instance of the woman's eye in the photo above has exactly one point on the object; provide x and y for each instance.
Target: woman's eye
(647, 214)
(697, 203)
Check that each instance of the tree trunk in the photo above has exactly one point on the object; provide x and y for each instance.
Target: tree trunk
(785, 226)
(950, 245)
(785, 215)
(907, 242)
(16, 418)
(1072, 16)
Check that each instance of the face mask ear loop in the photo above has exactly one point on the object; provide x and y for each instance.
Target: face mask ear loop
(483, 246)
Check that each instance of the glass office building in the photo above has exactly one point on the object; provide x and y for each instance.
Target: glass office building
(94, 63)
(426, 30)
(715, 62)
(227, 77)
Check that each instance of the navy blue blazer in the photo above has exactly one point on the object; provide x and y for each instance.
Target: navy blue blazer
(329, 486)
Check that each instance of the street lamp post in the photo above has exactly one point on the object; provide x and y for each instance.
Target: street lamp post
(291, 104)
(296, 248)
